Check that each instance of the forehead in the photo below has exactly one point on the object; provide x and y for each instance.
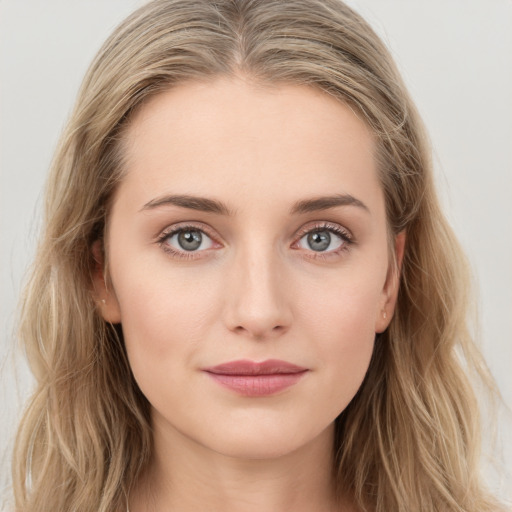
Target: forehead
(230, 136)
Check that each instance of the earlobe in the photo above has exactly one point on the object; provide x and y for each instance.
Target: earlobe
(103, 294)
(390, 291)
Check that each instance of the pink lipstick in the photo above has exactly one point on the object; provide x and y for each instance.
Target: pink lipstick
(250, 378)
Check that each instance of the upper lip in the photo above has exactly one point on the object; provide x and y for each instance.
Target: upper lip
(246, 367)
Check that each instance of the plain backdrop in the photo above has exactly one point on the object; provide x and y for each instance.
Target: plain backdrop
(456, 57)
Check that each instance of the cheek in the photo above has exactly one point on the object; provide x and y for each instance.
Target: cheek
(165, 318)
(349, 338)
(339, 319)
(343, 303)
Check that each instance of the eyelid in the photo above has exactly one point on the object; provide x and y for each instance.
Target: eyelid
(327, 226)
(337, 229)
(183, 226)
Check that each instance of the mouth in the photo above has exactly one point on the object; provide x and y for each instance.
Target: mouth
(249, 378)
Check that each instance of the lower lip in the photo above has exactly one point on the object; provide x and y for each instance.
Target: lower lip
(257, 385)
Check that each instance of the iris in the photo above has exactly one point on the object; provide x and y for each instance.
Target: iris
(190, 240)
(319, 240)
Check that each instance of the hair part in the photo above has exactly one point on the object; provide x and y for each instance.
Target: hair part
(409, 439)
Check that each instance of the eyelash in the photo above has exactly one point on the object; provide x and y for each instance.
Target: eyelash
(345, 235)
(342, 233)
(168, 233)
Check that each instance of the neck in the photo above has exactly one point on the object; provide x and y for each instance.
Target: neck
(191, 477)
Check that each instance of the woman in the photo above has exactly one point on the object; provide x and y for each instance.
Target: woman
(246, 295)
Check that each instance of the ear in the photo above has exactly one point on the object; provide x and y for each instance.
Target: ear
(103, 294)
(390, 290)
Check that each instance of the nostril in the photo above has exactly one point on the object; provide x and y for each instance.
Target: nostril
(258, 332)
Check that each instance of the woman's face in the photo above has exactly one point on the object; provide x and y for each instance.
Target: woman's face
(249, 226)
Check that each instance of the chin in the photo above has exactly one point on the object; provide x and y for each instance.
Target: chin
(252, 449)
(273, 442)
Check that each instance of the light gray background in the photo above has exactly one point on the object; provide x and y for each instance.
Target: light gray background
(456, 58)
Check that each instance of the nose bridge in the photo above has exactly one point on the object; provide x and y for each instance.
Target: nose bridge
(257, 304)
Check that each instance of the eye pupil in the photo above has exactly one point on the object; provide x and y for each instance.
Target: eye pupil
(319, 240)
(190, 240)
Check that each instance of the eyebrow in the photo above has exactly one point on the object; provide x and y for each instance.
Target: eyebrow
(205, 204)
(326, 202)
(191, 202)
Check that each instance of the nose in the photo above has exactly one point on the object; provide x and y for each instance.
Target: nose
(257, 303)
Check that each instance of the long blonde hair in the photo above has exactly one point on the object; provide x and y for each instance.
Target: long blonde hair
(409, 440)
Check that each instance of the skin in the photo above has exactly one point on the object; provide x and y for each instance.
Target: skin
(255, 289)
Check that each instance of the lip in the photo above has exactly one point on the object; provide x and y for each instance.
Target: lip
(250, 378)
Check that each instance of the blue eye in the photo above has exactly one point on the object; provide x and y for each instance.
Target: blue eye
(188, 240)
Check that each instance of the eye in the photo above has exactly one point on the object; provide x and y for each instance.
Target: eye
(183, 240)
(325, 238)
(190, 240)
(321, 241)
